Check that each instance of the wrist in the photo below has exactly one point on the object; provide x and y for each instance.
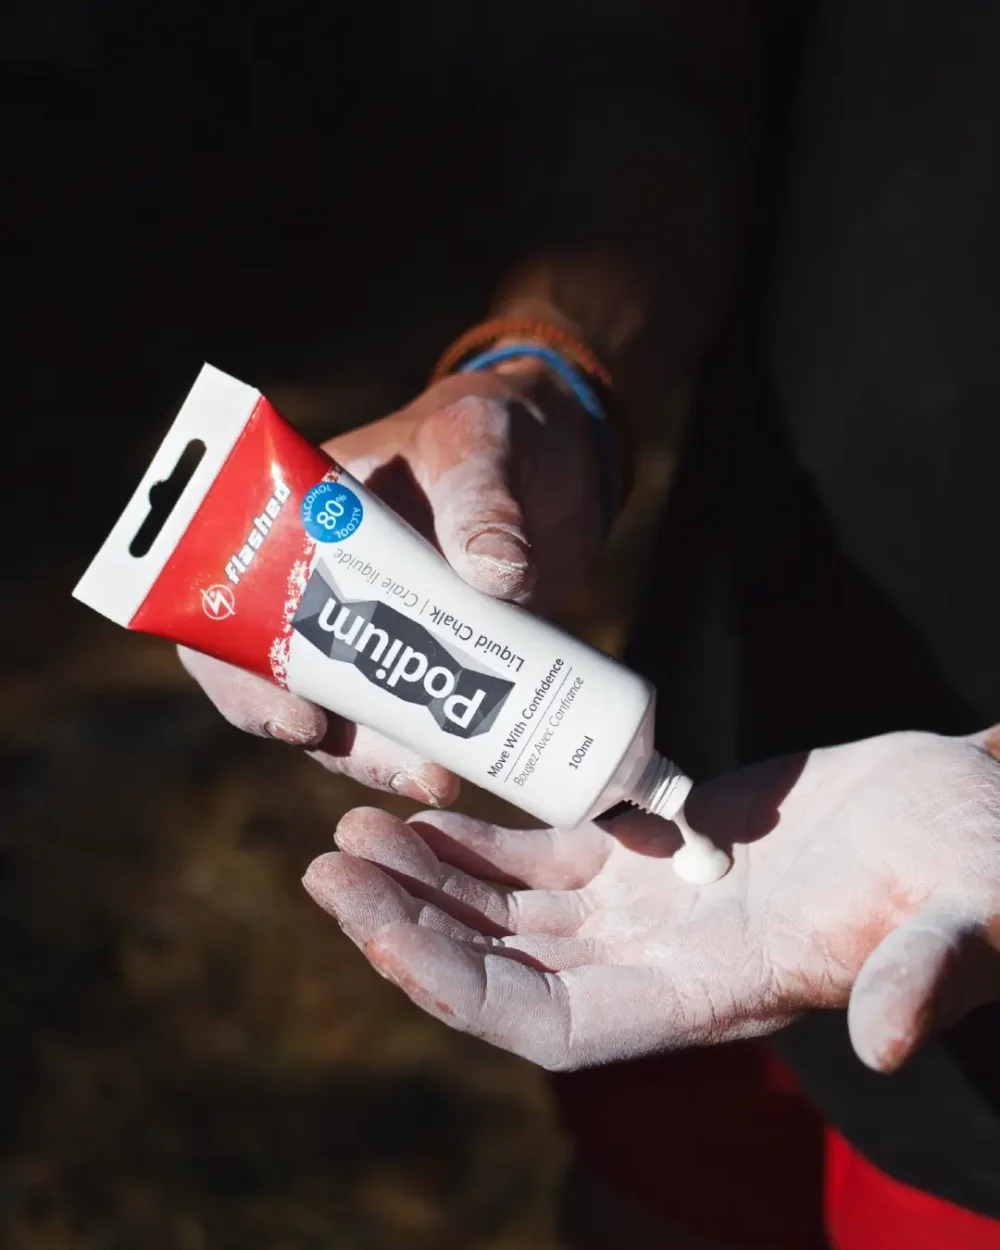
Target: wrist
(573, 378)
(556, 365)
(540, 385)
(596, 297)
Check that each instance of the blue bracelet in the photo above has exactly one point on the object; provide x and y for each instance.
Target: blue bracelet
(577, 383)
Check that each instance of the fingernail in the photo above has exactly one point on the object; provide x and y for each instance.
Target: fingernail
(441, 789)
(410, 788)
(500, 546)
(380, 970)
(318, 888)
(385, 970)
(293, 735)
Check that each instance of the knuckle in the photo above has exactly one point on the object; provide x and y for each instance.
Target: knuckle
(481, 421)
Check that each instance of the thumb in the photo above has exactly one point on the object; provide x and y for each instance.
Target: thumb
(465, 463)
(925, 976)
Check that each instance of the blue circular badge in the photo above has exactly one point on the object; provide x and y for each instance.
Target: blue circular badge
(331, 512)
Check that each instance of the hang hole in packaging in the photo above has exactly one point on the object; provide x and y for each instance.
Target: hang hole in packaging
(163, 497)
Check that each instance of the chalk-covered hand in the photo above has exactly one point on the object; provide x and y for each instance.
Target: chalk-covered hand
(500, 471)
(865, 876)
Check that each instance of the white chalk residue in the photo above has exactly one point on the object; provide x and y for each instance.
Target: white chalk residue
(281, 647)
(298, 576)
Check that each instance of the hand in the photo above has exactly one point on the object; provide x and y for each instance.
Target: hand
(866, 875)
(500, 471)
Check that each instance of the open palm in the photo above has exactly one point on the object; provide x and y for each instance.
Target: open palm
(868, 872)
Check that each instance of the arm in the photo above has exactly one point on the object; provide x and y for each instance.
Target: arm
(635, 157)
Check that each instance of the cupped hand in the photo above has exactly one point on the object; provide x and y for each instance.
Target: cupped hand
(500, 471)
(866, 876)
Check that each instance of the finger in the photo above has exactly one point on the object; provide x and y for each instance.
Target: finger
(367, 756)
(253, 704)
(925, 976)
(490, 995)
(377, 836)
(258, 707)
(364, 900)
(463, 464)
(560, 1020)
(542, 859)
(552, 953)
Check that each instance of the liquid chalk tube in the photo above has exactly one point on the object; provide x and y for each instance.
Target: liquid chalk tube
(276, 560)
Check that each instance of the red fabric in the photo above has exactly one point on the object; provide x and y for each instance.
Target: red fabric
(721, 1142)
(717, 1140)
(867, 1210)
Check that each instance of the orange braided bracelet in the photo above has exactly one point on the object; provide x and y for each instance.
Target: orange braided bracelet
(491, 332)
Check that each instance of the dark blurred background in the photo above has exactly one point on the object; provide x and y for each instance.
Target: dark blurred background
(316, 200)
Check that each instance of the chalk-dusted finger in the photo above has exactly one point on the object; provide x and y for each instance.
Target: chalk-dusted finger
(397, 847)
(369, 757)
(258, 707)
(550, 859)
(364, 900)
(255, 705)
(463, 462)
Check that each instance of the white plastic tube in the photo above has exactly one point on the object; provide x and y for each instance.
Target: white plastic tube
(275, 559)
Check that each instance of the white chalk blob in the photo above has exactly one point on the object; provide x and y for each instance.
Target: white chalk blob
(699, 861)
(662, 791)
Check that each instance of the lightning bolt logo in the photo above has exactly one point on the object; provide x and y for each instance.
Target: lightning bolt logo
(217, 602)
